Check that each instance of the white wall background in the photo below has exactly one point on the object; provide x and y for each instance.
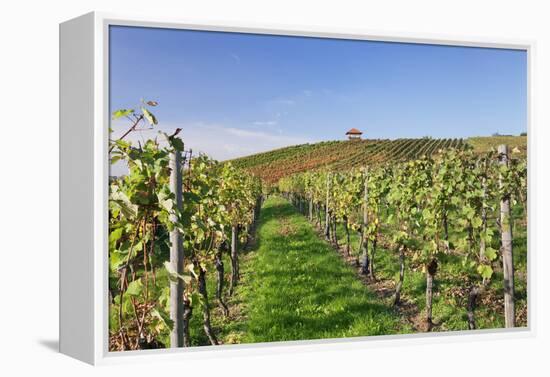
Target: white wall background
(29, 184)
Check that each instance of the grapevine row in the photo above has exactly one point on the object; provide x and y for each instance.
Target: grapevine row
(191, 208)
(413, 201)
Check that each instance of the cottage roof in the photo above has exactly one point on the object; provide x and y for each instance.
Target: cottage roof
(354, 131)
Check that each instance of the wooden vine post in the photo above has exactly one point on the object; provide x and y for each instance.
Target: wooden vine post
(365, 266)
(311, 207)
(506, 246)
(234, 258)
(327, 213)
(176, 255)
(482, 245)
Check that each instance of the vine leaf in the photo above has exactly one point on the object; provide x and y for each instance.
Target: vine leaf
(122, 113)
(149, 116)
(490, 253)
(164, 319)
(174, 276)
(135, 288)
(485, 271)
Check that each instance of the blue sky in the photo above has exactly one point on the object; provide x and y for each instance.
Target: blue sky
(237, 94)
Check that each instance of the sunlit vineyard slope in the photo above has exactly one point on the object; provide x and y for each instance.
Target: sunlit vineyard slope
(483, 144)
(342, 155)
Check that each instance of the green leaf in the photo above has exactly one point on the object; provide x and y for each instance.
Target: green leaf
(177, 143)
(149, 116)
(476, 222)
(116, 259)
(427, 214)
(174, 276)
(490, 253)
(165, 202)
(128, 209)
(163, 317)
(485, 271)
(115, 235)
(115, 159)
(122, 113)
(135, 288)
(196, 299)
(123, 144)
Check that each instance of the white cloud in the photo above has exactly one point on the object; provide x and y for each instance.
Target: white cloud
(219, 142)
(265, 123)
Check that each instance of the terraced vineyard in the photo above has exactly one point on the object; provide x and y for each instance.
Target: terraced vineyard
(344, 154)
(340, 155)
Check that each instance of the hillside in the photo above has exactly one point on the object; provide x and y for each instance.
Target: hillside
(341, 155)
(483, 144)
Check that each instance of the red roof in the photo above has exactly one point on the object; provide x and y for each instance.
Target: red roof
(354, 131)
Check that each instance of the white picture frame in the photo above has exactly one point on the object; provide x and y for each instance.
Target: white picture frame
(84, 169)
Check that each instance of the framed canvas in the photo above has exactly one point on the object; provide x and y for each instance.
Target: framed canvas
(233, 189)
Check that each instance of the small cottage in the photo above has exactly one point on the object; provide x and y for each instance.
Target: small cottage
(354, 134)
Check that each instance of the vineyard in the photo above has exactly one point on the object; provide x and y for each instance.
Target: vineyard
(343, 155)
(325, 240)
(452, 213)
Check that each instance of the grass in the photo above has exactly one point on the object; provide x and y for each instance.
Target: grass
(295, 287)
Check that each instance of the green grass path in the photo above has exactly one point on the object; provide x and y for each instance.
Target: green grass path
(295, 286)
